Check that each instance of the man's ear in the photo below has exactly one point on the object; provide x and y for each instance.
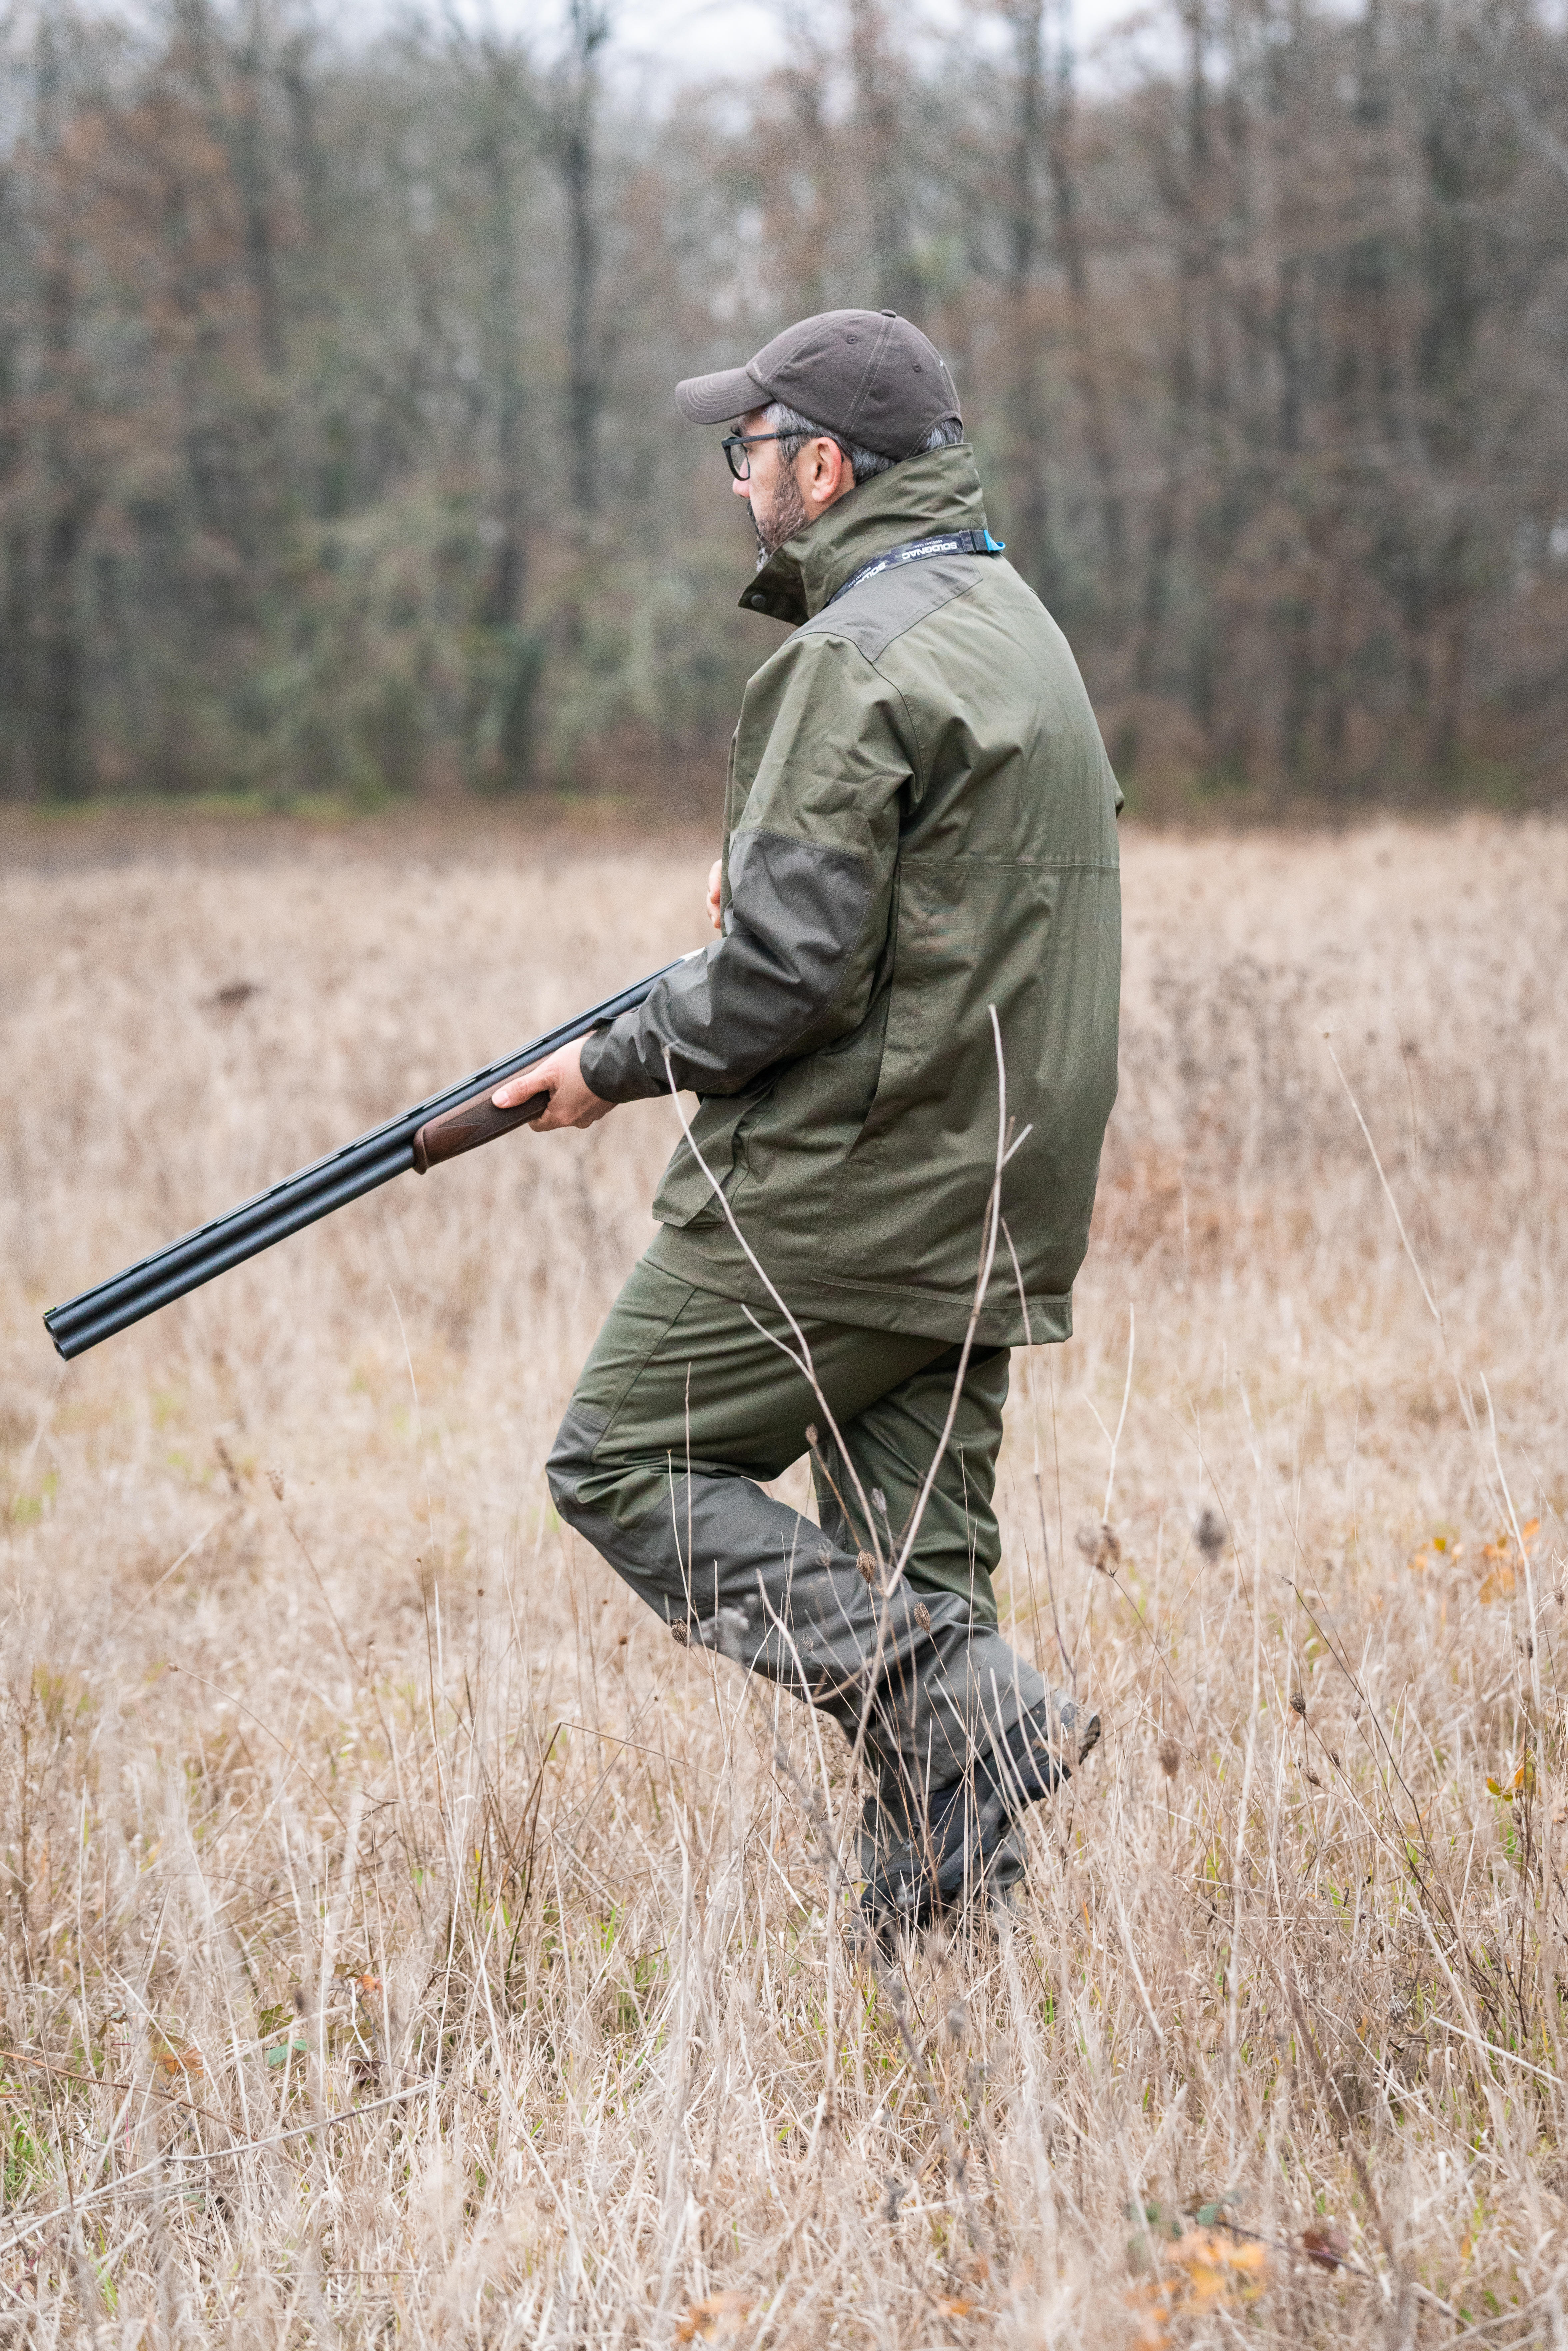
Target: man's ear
(830, 471)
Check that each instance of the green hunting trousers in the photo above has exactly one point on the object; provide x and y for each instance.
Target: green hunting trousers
(684, 1409)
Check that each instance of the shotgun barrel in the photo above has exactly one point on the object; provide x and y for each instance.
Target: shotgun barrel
(456, 1120)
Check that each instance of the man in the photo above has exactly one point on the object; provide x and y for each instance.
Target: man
(919, 833)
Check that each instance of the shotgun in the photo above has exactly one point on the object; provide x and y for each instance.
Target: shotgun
(457, 1119)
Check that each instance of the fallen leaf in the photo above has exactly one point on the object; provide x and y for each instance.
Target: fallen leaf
(1150, 2306)
(1220, 2270)
(953, 2305)
(718, 2318)
(175, 2059)
(1325, 2243)
(1503, 1557)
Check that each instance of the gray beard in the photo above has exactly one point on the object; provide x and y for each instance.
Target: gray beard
(785, 517)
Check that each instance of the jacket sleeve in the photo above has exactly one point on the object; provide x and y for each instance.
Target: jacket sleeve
(810, 875)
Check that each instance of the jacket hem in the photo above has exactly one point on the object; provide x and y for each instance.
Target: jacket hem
(710, 1260)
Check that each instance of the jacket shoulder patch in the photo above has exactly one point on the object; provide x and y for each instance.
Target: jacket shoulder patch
(871, 615)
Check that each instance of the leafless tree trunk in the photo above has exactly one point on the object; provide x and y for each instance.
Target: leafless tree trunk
(805, 224)
(1086, 369)
(14, 690)
(576, 160)
(1184, 181)
(60, 758)
(501, 100)
(510, 671)
(887, 175)
(1029, 522)
(253, 179)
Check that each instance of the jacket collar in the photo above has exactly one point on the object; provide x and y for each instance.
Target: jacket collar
(916, 499)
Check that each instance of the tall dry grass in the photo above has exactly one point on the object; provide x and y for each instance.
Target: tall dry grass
(335, 1775)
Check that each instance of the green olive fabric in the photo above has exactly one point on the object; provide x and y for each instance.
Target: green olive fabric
(920, 829)
(686, 1409)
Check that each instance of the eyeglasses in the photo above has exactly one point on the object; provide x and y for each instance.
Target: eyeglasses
(735, 446)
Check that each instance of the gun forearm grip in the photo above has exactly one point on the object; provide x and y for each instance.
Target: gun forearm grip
(464, 1128)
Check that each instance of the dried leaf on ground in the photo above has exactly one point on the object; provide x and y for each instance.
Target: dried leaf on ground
(175, 2057)
(1220, 2269)
(718, 2318)
(1325, 2243)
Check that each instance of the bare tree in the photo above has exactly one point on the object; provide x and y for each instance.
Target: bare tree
(575, 154)
(506, 112)
(1030, 519)
(60, 753)
(1061, 147)
(883, 140)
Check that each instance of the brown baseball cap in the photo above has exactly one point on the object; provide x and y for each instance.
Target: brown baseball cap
(866, 376)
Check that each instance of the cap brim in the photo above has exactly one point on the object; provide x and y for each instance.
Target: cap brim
(714, 399)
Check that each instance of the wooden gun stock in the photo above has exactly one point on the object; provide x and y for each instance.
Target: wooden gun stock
(472, 1122)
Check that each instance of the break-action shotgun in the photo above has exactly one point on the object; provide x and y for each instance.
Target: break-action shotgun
(456, 1121)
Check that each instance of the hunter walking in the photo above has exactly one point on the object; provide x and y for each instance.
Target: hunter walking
(919, 827)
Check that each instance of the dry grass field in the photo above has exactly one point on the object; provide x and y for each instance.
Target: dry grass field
(404, 1942)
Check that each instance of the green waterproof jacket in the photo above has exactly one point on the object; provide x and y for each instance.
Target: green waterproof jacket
(919, 826)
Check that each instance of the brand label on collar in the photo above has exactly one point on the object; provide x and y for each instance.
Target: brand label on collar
(918, 550)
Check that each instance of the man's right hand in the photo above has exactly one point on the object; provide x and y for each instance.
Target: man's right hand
(572, 1101)
(712, 889)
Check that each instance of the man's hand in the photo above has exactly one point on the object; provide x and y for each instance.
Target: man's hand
(712, 889)
(572, 1102)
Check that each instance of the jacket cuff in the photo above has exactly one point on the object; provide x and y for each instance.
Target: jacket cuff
(611, 1065)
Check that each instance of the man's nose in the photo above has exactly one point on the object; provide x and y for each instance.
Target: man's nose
(741, 489)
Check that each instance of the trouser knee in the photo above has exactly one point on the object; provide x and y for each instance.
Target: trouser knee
(570, 1460)
(611, 1505)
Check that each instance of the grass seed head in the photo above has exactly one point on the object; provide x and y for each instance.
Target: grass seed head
(1209, 1533)
(1101, 1545)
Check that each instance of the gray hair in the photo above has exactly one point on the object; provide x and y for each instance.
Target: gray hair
(794, 430)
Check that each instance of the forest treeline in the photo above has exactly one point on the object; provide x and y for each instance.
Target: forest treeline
(338, 455)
